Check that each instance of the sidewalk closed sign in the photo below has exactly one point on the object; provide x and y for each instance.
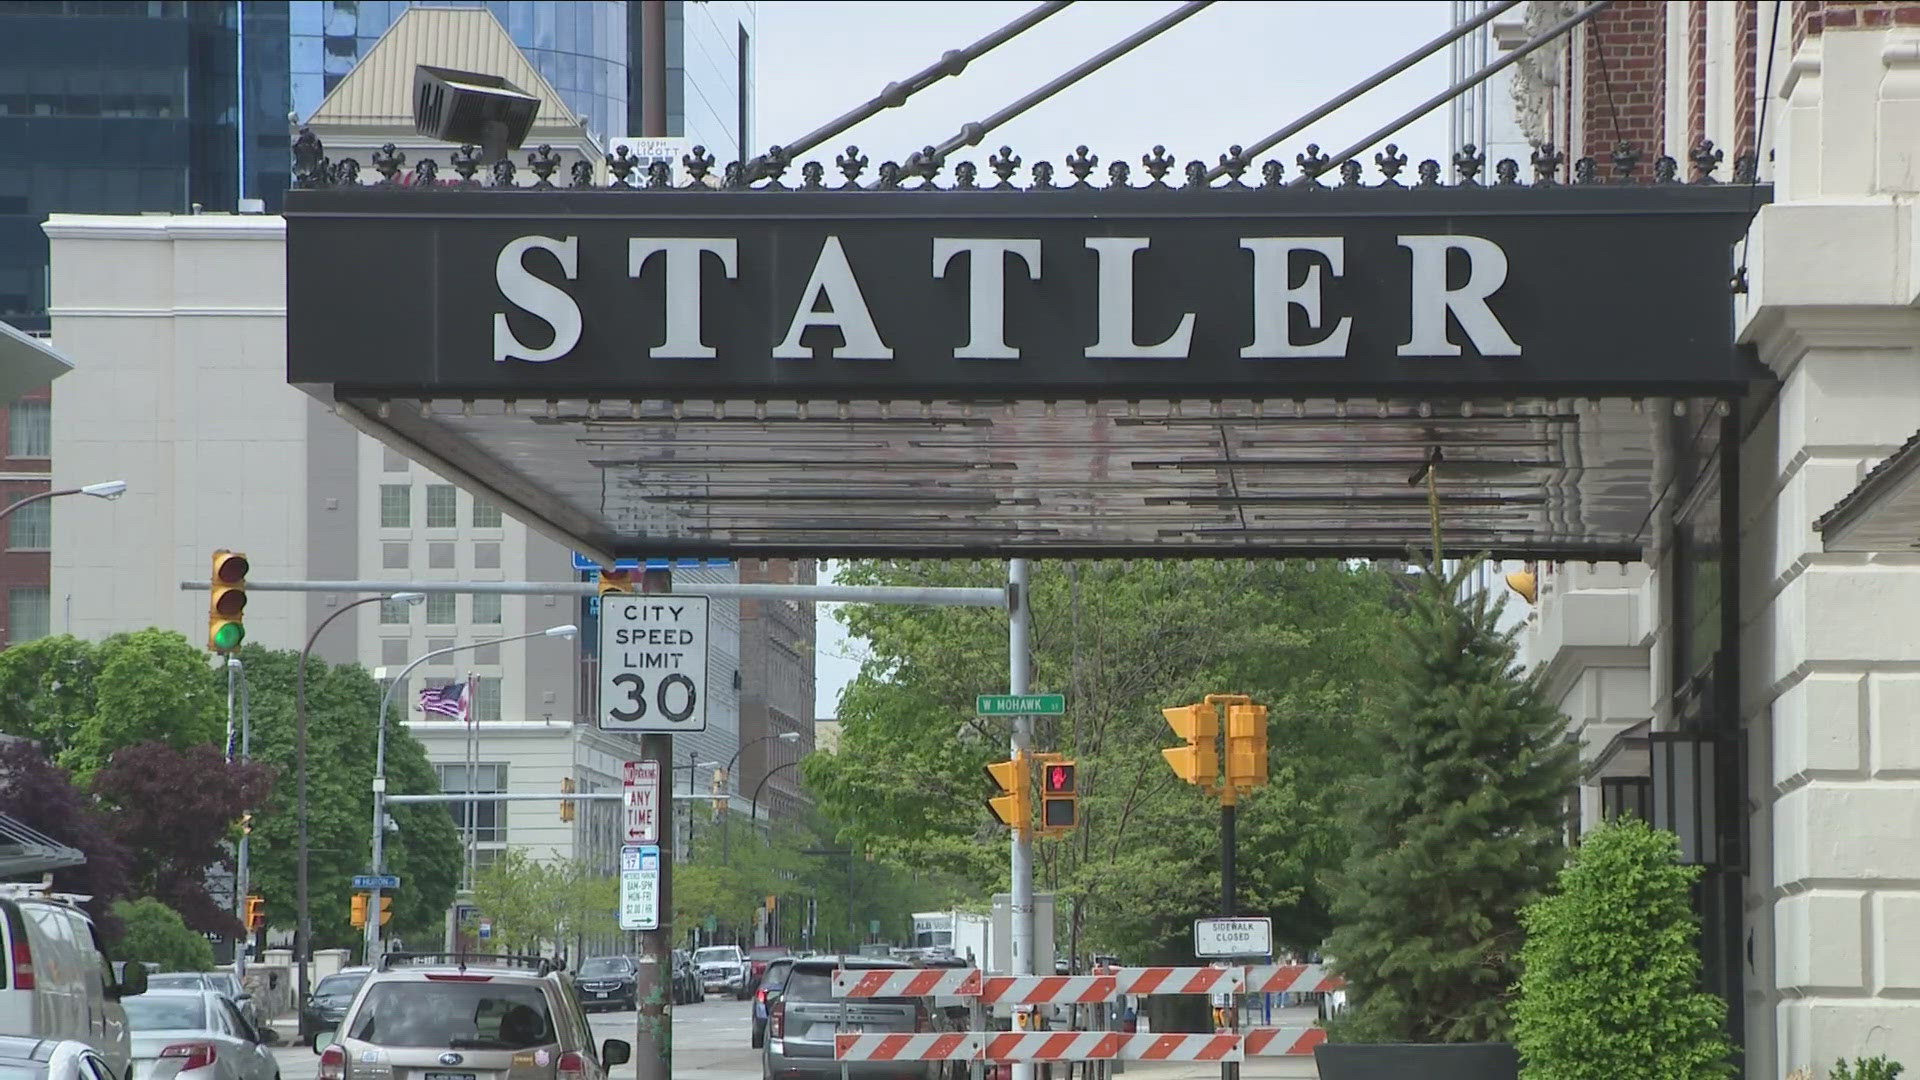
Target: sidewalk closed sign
(1233, 937)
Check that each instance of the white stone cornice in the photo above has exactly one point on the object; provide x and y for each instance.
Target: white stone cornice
(1783, 334)
(1805, 65)
(165, 227)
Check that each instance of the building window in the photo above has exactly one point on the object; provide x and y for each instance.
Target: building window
(442, 507)
(485, 514)
(489, 819)
(435, 645)
(30, 528)
(488, 654)
(26, 614)
(393, 556)
(486, 697)
(486, 555)
(440, 609)
(486, 609)
(395, 612)
(393, 460)
(30, 429)
(396, 506)
(393, 651)
(440, 555)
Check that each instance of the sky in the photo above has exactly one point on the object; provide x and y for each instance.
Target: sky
(1232, 74)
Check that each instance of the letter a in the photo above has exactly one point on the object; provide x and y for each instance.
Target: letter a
(847, 312)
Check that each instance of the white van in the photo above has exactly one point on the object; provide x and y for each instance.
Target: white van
(56, 981)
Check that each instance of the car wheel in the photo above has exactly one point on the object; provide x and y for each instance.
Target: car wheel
(759, 1038)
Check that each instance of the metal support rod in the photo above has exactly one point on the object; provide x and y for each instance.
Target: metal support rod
(1229, 902)
(239, 897)
(653, 72)
(951, 63)
(243, 869)
(753, 810)
(929, 596)
(653, 981)
(1534, 43)
(1321, 112)
(971, 134)
(1019, 678)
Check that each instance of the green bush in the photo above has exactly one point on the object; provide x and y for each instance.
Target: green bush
(1873, 1068)
(154, 933)
(1612, 975)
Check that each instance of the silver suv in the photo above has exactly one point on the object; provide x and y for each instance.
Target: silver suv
(804, 1016)
(452, 1017)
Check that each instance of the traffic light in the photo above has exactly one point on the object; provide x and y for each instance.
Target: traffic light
(386, 909)
(246, 824)
(1198, 762)
(358, 915)
(566, 805)
(772, 902)
(1014, 805)
(227, 601)
(718, 789)
(1524, 583)
(1059, 795)
(616, 581)
(1247, 746)
(256, 913)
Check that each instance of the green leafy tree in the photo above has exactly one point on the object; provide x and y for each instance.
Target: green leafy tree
(84, 700)
(534, 905)
(151, 932)
(1612, 980)
(1461, 827)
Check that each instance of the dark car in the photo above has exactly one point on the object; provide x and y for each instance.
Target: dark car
(688, 989)
(326, 1004)
(608, 982)
(771, 980)
(758, 958)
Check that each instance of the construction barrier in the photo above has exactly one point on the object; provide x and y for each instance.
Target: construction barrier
(1046, 989)
(1292, 979)
(949, 1046)
(906, 982)
(1179, 980)
(1281, 1041)
(1110, 1045)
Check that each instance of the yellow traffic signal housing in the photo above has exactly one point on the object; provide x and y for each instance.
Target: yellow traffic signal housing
(227, 601)
(1014, 805)
(718, 789)
(566, 805)
(616, 581)
(386, 910)
(256, 913)
(1526, 584)
(1198, 762)
(1059, 795)
(358, 914)
(1247, 746)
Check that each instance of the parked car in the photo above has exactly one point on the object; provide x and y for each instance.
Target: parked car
(327, 1002)
(804, 1017)
(724, 968)
(688, 989)
(769, 992)
(59, 984)
(23, 1057)
(225, 983)
(609, 982)
(758, 958)
(195, 1035)
(457, 1017)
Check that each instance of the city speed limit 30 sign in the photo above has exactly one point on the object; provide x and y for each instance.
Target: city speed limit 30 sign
(653, 662)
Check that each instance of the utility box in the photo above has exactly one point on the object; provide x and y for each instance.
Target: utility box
(1000, 948)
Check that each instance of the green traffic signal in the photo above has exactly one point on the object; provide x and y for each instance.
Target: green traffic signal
(228, 636)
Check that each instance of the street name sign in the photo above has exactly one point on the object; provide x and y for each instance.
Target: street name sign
(1233, 937)
(640, 887)
(640, 794)
(653, 662)
(1021, 704)
(376, 881)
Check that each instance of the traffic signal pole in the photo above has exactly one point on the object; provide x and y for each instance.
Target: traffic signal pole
(653, 982)
(1229, 886)
(1019, 678)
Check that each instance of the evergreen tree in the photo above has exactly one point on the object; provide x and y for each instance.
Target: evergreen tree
(1461, 829)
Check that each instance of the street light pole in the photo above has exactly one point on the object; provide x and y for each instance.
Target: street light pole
(727, 774)
(111, 489)
(380, 766)
(303, 926)
(753, 813)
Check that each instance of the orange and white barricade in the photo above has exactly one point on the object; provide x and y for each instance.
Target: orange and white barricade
(1292, 979)
(947, 1046)
(1281, 1041)
(1179, 980)
(905, 982)
(1046, 989)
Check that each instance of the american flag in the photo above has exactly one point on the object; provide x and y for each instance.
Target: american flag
(449, 700)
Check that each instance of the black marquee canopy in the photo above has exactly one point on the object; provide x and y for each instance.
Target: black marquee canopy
(929, 365)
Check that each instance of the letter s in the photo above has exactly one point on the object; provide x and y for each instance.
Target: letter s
(538, 298)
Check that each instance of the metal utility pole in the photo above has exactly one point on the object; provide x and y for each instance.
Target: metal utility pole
(1229, 886)
(653, 74)
(653, 982)
(243, 869)
(1019, 676)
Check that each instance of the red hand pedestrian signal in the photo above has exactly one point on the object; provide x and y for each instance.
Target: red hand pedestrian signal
(1059, 779)
(1059, 797)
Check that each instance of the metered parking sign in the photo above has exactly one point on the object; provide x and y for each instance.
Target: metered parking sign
(653, 662)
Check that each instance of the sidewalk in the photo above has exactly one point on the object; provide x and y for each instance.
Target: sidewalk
(1255, 1068)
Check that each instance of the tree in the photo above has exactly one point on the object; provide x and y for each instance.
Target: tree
(42, 796)
(1461, 827)
(533, 903)
(176, 815)
(1612, 980)
(152, 932)
(149, 686)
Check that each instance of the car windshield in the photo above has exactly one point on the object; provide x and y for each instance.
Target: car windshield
(11, 1071)
(603, 966)
(728, 955)
(457, 1016)
(339, 985)
(166, 1012)
(177, 981)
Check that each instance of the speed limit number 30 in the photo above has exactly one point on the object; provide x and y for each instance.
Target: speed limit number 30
(653, 663)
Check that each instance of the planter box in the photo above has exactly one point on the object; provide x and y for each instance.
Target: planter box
(1411, 1061)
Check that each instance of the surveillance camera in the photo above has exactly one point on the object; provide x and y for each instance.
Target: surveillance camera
(468, 107)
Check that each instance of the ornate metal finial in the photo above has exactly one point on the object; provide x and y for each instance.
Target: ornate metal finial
(889, 176)
(1667, 171)
(1081, 164)
(1196, 175)
(310, 167)
(735, 176)
(1158, 165)
(582, 173)
(1746, 167)
(1390, 161)
(1270, 171)
(388, 161)
(1350, 173)
(659, 174)
(1042, 175)
(1003, 165)
(1467, 163)
(1119, 175)
(1429, 172)
(775, 164)
(1626, 158)
(1312, 164)
(812, 176)
(621, 165)
(1506, 173)
(852, 164)
(698, 165)
(925, 164)
(1586, 171)
(1546, 164)
(503, 172)
(466, 162)
(1234, 163)
(544, 163)
(966, 176)
(426, 173)
(1705, 158)
(346, 173)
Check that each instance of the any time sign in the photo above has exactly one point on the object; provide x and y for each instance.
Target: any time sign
(653, 663)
